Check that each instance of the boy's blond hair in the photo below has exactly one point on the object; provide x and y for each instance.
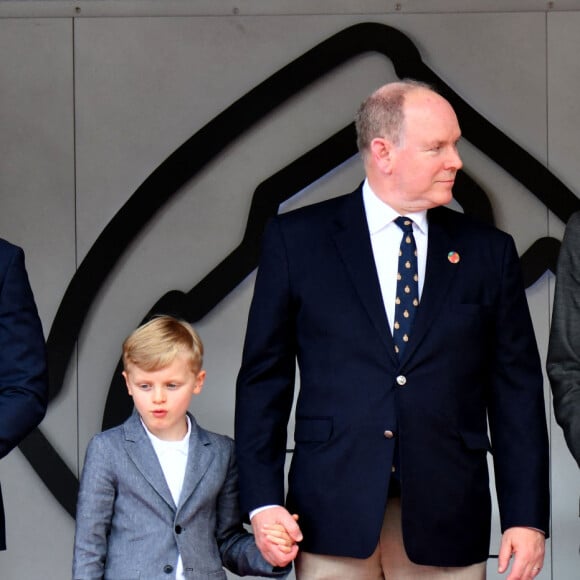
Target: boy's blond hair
(155, 344)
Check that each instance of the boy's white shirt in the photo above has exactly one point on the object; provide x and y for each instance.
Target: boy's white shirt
(172, 456)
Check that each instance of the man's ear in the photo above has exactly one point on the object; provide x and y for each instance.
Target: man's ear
(381, 152)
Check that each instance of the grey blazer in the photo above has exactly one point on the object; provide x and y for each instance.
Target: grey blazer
(128, 526)
(563, 364)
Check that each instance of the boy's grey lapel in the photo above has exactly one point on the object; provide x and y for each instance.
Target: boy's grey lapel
(199, 458)
(140, 450)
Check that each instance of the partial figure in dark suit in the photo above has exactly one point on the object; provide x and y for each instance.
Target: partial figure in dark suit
(389, 473)
(23, 378)
(158, 496)
(563, 364)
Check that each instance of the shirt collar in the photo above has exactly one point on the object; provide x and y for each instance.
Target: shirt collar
(380, 214)
(181, 446)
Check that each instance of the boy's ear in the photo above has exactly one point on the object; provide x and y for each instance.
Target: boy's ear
(199, 382)
(126, 377)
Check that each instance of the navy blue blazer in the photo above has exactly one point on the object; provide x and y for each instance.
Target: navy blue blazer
(472, 357)
(23, 378)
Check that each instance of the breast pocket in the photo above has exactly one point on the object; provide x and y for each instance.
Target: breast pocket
(464, 324)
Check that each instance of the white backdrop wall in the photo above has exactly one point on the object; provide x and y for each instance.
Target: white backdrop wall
(94, 96)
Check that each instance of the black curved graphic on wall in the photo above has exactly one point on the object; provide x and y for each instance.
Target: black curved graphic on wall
(194, 155)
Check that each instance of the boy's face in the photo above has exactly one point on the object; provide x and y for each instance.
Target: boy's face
(162, 397)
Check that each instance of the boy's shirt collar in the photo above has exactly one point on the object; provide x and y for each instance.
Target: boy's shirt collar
(181, 445)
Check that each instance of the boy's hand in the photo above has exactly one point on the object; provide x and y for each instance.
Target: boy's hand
(269, 522)
(278, 535)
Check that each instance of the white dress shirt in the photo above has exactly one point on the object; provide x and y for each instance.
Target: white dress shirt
(385, 239)
(172, 456)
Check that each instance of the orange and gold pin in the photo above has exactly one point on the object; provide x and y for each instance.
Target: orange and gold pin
(453, 257)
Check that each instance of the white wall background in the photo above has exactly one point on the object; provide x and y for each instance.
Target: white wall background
(94, 95)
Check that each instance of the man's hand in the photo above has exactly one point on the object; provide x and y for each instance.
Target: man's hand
(527, 546)
(263, 522)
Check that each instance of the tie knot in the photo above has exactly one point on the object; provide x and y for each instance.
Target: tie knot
(405, 224)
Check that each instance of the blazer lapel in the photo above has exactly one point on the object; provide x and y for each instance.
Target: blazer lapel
(353, 243)
(140, 450)
(439, 274)
(199, 458)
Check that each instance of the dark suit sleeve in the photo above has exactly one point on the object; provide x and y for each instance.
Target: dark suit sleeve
(265, 384)
(563, 364)
(237, 547)
(517, 415)
(23, 379)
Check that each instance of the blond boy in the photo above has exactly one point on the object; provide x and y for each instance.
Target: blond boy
(158, 497)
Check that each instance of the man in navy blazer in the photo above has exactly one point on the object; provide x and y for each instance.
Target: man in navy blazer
(23, 379)
(389, 473)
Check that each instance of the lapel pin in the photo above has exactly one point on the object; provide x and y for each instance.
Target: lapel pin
(453, 257)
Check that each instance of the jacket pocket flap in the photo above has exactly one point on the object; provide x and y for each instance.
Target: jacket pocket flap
(476, 441)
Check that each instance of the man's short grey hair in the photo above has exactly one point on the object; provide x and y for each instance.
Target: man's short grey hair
(381, 113)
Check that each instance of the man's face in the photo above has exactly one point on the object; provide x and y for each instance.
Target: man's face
(424, 164)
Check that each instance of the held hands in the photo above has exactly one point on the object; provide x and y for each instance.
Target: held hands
(276, 533)
(527, 546)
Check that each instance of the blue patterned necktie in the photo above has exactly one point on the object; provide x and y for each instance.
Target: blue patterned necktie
(407, 298)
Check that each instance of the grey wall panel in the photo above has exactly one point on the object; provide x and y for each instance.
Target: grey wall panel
(90, 8)
(563, 104)
(37, 151)
(142, 86)
(37, 211)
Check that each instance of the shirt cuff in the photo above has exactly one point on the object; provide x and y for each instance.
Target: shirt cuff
(261, 509)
